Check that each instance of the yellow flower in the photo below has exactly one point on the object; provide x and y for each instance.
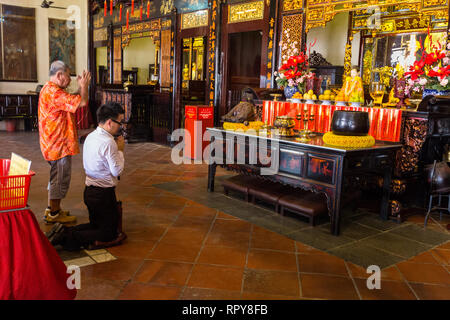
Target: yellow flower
(348, 141)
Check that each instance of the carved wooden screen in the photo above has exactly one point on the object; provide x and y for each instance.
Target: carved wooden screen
(165, 57)
(117, 59)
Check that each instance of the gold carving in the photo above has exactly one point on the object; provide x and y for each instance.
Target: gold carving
(101, 34)
(293, 25)
(289, 5)
(246, 12)
(165, 24)
(166, 6)
(194, 19)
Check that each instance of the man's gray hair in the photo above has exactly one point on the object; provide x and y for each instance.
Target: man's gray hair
(56, 66)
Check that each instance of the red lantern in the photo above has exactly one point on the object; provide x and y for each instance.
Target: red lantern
(140, 12)
(106, 8)
(120, 13)
(111, 7)
(148, 9)
(132, 7)
(128, 19)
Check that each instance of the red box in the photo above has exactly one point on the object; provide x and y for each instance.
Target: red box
(197, 119)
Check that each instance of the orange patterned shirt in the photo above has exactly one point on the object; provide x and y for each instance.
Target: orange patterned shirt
(57, 130)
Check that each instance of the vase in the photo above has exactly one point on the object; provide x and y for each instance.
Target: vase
(434, 92)
(290, 91)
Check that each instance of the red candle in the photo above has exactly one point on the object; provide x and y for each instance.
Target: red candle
(106, 8)
(140, 12)
(132, 7)
(128, 19)
(111, 7)
(148, 9)
(120, 13)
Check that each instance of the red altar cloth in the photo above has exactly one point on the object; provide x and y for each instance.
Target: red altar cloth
(30, 268)
(385, 124)
(82, 118)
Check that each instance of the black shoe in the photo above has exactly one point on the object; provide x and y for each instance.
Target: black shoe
(56, 228)
(56, 238)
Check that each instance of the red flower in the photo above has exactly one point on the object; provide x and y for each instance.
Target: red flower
(441, 73)
(431, 58)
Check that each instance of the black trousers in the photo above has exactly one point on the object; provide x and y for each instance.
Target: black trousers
(103, 220)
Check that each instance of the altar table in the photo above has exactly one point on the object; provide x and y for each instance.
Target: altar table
(311, 165)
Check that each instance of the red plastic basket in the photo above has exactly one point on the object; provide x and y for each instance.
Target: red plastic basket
(13, 189)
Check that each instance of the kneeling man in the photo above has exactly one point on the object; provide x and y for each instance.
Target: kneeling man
(103, 162)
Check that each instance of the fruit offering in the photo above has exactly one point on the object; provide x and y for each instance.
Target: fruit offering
(297, 95)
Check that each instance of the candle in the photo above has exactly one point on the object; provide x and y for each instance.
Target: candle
(120, 13)
(140, 12)
(128, 19)
(106, 8)
(148, 9)
(132, 7)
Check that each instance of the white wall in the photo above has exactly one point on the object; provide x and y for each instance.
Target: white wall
(42, 41)
(331, 40)
(139, 54)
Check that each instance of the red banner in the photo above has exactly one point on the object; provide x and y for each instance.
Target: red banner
(385, 124)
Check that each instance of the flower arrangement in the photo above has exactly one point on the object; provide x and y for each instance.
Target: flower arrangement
(431, 70)
(294, 71)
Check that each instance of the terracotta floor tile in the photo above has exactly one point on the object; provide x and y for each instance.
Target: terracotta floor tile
(431, 292)
(263, 296)
(132, 249)
(445, 246)
(231, 226)
(177, 235)
(199, 211)
(209, 294)
(99, 289)
(271, 260)
(228, 239)
(327, 287)
(442, 255)
(230, 256)
(175, 252)
(303, 248)
(265, 239)
(157, 180)
(222, 215)
(163, 273)
(317, 263)
(271, 282)
(390, 273)
(139, 291)
(424, 257)
(216, 277)
(120, 269)
(390, 290)
(153, 233)
(424, 273)
(192, 223)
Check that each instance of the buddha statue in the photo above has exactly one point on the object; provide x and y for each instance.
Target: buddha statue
(352, 89)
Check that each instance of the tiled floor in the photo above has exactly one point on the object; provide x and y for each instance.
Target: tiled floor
(178, 248)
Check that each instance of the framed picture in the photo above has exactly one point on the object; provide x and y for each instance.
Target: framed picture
(62, 43)
(18, 44)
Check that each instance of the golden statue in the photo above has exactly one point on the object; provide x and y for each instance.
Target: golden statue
(185, 73)
(352, 89)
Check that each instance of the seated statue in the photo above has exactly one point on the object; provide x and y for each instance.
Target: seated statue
(353, 86)
(243, 111)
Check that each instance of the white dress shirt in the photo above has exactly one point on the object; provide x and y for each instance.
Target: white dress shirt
(103, 162)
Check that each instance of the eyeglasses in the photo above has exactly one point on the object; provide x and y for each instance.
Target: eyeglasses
(120, 123)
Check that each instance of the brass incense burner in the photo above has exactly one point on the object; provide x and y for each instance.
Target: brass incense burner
(285, 126)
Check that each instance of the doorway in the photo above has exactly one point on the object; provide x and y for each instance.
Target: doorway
(244, 67)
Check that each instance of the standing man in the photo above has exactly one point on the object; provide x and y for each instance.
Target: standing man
(103, 162)
(58, 134)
